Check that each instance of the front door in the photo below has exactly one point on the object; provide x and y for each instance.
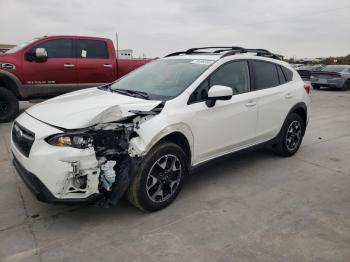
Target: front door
(54, 76)
(229, 125)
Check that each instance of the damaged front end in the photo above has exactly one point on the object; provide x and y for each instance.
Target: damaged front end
(111, 164)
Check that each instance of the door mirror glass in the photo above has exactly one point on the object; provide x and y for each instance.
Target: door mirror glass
(40, 53)
(218, 92)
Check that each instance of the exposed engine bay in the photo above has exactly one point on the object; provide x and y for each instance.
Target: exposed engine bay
(113, 167)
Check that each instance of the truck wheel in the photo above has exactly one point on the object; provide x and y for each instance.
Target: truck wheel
(9, 106)
(159, 178)
(292, 136)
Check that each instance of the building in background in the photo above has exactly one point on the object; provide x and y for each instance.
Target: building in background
(125, 53)
(4, 47)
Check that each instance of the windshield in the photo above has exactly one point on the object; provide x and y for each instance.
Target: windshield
(20, 46)
(164, 78)
(333, 68)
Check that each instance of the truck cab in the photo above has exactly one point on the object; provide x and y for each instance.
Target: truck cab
(54, 65)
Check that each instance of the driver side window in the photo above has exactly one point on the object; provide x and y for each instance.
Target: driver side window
(232, 74)
(57, 48)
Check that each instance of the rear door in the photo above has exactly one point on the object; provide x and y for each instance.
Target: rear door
(95, 63)
(57, 74)
(275, 95)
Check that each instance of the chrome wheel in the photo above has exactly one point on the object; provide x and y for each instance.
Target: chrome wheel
(163, 178)
(293, 135)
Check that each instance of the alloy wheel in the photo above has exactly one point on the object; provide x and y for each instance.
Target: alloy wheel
(163, 178)
(293, 135)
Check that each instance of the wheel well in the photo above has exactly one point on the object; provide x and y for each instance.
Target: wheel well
(179, 139)
(8, 83)
(302, 113)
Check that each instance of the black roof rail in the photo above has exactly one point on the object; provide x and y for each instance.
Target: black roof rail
(231, 50)
(197, 50)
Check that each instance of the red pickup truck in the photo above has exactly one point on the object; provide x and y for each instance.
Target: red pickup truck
(53, 65)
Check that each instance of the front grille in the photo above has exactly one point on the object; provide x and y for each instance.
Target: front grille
(22, 138)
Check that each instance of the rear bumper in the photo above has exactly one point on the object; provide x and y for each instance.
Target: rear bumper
(43, 194)
(333, 82)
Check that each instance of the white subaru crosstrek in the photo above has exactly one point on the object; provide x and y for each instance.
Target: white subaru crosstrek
(141, 135)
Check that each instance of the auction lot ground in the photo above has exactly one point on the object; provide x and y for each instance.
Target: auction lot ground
(252, 207)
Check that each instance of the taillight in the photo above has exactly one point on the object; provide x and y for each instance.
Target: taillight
(307, 88)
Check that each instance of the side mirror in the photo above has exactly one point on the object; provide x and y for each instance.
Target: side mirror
(218, 92)
(37, 54)
(40, 53)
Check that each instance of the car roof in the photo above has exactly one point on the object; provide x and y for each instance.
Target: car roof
(217, 57)
(212, 57)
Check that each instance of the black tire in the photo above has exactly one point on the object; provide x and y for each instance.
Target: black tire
(316, 87)
(284, 146)
(9, 106)
(346, 86)
(139, 196)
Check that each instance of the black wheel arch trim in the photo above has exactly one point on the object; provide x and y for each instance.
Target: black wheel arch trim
(300, 105)
(18, 88)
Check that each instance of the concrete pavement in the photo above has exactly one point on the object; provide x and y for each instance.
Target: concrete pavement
(252, 207)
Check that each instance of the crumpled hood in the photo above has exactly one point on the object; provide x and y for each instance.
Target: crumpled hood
(88, 107)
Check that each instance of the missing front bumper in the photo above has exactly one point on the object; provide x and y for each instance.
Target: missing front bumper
(43, 194)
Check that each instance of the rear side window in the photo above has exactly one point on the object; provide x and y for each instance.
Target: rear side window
(287, 73)
(60, 48)
(266, 75)
(92, 49)
(281, 75)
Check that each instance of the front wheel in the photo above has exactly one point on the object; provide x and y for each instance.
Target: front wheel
(159, 178)
(291, 137)
(9, 106)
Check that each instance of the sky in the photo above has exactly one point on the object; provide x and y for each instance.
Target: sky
(301, 28)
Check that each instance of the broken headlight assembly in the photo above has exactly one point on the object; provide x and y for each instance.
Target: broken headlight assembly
(80, 141)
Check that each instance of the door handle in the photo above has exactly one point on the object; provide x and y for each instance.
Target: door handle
(68, 65)
(107, 66)
(288, 95)
(250, 103)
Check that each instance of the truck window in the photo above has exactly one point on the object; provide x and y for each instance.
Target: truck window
(60, 48)
(92, 49)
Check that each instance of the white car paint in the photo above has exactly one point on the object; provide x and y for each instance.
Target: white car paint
(244, 120)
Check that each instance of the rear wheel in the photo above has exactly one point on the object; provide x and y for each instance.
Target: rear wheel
(9, 106)
(346, 86)
(291, 137)
(159, 178)
(317, 87)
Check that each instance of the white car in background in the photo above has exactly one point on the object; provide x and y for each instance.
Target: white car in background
(142, 134)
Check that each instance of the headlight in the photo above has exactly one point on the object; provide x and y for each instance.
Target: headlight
(80, 141)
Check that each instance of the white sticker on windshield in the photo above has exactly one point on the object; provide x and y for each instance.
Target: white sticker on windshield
(202, 62)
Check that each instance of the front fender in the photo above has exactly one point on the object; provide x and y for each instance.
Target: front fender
(142, 144)
(18, 87)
